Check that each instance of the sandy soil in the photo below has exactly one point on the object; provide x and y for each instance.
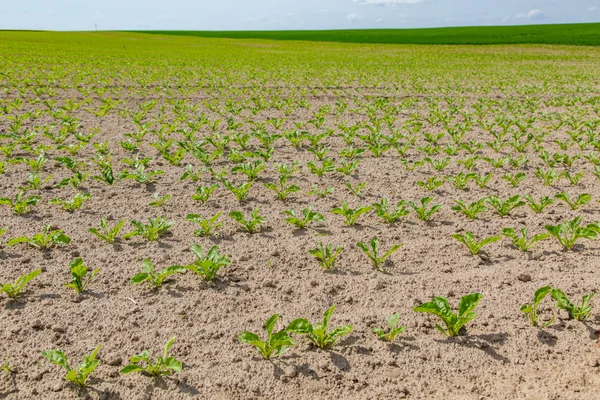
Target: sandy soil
(501, 356)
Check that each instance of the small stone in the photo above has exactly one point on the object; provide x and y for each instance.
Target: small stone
(524, 278)
(59, 329)
(57, 387)
(593, 362)
(37, 324)
(290, 371)
(114, 360)
(26, 260)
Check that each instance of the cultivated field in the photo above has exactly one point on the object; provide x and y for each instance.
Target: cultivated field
(179, 140)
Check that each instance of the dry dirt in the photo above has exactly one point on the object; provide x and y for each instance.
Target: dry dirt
(500, 357)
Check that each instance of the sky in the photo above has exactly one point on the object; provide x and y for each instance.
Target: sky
(285, 14)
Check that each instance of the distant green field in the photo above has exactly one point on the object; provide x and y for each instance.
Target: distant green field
(568, 34)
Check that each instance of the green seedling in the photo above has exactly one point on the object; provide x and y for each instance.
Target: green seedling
(250, 169)
(521, 241)
(483, 180)
(319, 334)
(35, 181)
(73, 204)
(155, 278)
(159, 201)
(545, 201)
(581, 200)
(163, 366)
(203, 193)
(105, 232)
(152, 231)
(472, 210)
(569, 232)
(140, 175)
(282, 191)
(454, 322)
(578, 313)
(207, 266)
(322, 193)
(240, 192)
(79, 271)
(276, 343)
(308, 216)
(431, 183)
(350, 214)
(504, 207)
(423, 212)
(78, 375)
(189, 173)
(326, 166)
(251, 225)
(393, 329)
(48, 238)
(207, 226)
(531, 309)
(326, 255)
(461, 180)
(372, 252)
(389, 217)
(13, 290)
(21, 205)
(516, 179)
(472, 244)
(356, 190)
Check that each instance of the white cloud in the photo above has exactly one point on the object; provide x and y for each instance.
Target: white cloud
(353, 17)
(531, 14)
(593, 9)
(385, 2)
(378, 20)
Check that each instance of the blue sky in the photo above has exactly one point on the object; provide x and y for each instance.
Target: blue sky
(282, 14)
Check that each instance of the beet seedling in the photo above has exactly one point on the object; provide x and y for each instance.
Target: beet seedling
(350, 214)
(521, 241)
(578, 313)
(203, 193)
(531, 309)
(471, 210)
(322, 193)
(78, 273)
(251, 225)
(207, 226)
(454, 322)
(20, 205)
(504, 207)
(326, 255)
(276, 343)
(240, 192)
(78, 375)
(569, 232)
(73, 204)
(461, 180)
(389, 217)
(106, 233)
(581, 200)
(207, 266)
(432, 183)
(159, 201)
(308, 216)
(472, 244)
(423, 212)
(140, 175)
(393, 329)
(48, 238)
(372, 252)
(319, 334)
(282, 191)
(13, 290)
(152, 231)
(155, 278)
(545, 201)
(164, 364)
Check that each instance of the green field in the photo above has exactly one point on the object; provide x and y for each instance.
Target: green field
(569, 34)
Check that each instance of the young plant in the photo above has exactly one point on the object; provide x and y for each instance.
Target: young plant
(240, 192)
(431, 184)
(155, 278)
(372, 252)
(21, 205)
(581, 200)
(13, 290)
(545, 201)
(326, 166)
(483, 180)
(207, 226)
(578, 313)
(531, 309)
(516, 179)
(569, 232)
(461, 180)
(48, 238)
(472, 210)
(472, 244)
(251, 170)
(105, 232)
(78, 273)
(164, 364)
(203, 193)
(423, 212)
(454, 322)
(390, 216)
(73, 204)
(322, 193)
(326, 255)
(393, 329)
(350, 214)
(207, 266)
(78, 375)
(319, 334)
(140, 175)
(282, 191)
(152, 231)
(251, 225)
(521, 241)
(308, 216)
(504, 207)
(276, 343)
(159, 201)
